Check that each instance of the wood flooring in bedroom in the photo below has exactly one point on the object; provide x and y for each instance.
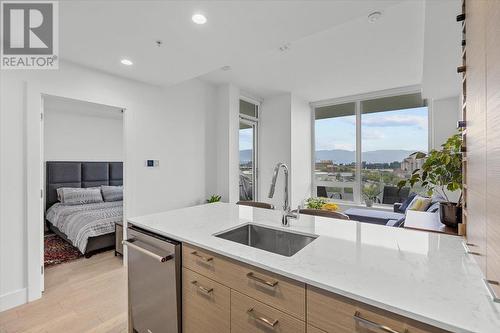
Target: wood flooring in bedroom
(86, 295)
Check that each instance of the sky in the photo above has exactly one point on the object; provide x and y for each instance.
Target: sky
(246, 138)
(401, 129)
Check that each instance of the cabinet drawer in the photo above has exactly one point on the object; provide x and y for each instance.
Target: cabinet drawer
(282, 293)
(337, 314)
(205, 305)
(312, 329)
(249, 315)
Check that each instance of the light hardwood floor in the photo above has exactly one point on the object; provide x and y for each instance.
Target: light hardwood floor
(86, 295)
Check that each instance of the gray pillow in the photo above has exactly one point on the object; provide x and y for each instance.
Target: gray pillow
(433, 208)
(78, 196)
(112, 193)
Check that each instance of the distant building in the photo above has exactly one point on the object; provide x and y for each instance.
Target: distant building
(412, 163)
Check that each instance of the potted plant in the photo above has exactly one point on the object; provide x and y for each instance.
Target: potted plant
(442, 172)
(214, 198)
(321, 203)
(315, 203)
(370, 193)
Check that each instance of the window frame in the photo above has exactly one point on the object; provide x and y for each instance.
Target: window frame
(254, 122)
(358, 99)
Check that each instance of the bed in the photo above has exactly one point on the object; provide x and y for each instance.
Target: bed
(89, 227)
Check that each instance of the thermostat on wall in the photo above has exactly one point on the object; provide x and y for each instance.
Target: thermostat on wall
(152, 163)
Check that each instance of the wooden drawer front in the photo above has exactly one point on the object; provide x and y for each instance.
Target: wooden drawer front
(336, 314)
(312, 329)
(205, 304)
(249, 315)
(282, 293)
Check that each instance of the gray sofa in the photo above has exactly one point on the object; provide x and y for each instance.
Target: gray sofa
(395, 218)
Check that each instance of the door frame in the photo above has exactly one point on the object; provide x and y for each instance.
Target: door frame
(34, 94)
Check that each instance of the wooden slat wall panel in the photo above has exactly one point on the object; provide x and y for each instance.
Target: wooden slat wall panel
(493, 135)
(476, 128)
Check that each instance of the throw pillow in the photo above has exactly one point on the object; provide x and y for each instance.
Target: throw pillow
(77, 195)
(112, 193)
(420, 203)
(406, 203)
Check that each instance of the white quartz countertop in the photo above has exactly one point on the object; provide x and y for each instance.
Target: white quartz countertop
(425, 276)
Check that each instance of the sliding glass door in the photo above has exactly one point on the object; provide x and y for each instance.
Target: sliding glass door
(248, 134)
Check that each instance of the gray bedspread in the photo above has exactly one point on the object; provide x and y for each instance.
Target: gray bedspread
(79, 222)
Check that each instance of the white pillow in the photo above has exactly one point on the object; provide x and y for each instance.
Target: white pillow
(420, 203)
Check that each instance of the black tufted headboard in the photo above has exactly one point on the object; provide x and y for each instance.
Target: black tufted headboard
(79, 174)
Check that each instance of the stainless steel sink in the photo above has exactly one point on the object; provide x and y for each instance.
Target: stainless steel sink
(268, 239)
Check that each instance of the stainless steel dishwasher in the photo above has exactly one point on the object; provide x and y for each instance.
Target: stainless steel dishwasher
(154, 282)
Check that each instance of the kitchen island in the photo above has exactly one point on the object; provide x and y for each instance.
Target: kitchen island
(425, 277)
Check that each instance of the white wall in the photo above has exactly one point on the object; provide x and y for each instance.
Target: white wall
(285, 136)
(444, 117)
(301, 155)
(442, 49)
(169, 125)
(227, 148)
(79, 131)
(274, 144)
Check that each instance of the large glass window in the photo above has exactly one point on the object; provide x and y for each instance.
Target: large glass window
(335, 164)
(365, 147)
(248, 150)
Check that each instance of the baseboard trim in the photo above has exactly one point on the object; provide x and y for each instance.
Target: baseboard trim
(13, 299)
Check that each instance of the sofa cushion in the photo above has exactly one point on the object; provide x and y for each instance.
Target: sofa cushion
(372, 215)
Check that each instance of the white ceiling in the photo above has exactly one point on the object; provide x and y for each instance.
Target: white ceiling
(353, 58)
(99, 33)
(334, 50)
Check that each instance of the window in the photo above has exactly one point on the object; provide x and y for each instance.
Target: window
(249, 112)
(365, 147)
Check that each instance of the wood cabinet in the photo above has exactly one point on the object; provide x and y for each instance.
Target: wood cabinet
(338, 314)
(483, 135)
(205, 304)
(280, 292)
(493, 144)
(249, 315)
(224, 295)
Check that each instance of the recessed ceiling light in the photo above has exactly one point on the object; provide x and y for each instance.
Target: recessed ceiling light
(127, 62)
(374, 16)
(284, 47)
(199, 19)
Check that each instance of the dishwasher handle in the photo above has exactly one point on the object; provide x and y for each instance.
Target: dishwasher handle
(130, 243)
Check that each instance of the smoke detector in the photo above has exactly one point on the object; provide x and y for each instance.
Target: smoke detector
(284, 47)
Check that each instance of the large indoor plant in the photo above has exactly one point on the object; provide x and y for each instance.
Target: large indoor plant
(442, 172)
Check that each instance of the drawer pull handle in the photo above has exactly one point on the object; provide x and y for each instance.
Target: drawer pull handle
(357, 317)
(206, 259)
(251, 276)
(201, 288)
(269, 322)
(130, 243)
(493, 295)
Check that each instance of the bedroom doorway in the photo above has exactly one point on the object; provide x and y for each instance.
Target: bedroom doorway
(83, 154)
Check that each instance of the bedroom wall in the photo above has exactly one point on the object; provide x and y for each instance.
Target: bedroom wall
(165, 124)
(81, 131)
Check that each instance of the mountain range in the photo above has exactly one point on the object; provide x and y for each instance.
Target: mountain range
(348, 156)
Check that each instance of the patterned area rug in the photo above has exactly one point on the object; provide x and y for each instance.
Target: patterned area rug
(58, 251)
